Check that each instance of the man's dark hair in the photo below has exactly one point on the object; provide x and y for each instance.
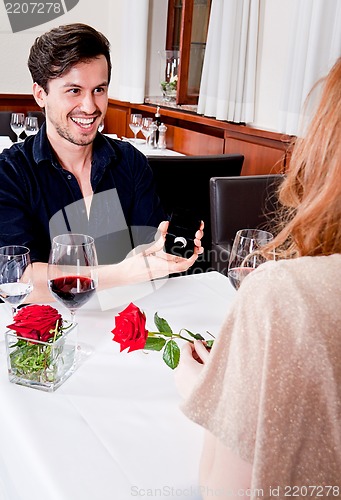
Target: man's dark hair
(56, 51)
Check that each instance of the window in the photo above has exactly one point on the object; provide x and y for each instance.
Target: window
(187, 27)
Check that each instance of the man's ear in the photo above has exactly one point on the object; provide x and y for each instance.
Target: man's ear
(39, 95)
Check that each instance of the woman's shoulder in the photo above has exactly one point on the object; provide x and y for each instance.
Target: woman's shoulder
(294, 296)
(303, 272)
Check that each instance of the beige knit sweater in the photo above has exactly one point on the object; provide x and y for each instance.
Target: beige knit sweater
(271, 391)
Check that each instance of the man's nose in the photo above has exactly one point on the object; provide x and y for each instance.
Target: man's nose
(88, 103)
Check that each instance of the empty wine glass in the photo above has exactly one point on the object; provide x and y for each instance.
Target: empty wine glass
(72, 270)
(18, 124)
(15, 275)
(31, 125)
(245, 255)
(146, 129)
(135, 124)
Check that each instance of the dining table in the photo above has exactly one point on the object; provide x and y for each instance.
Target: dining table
(114, 430)
(140, 144)
(5, 142)
(143, 147)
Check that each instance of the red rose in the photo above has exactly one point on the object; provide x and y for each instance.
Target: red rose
(130, 329)
(36, 322)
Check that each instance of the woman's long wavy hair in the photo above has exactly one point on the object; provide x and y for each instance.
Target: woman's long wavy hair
(310, 195)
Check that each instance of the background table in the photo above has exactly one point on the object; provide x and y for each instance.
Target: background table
(113, 430)
(5, 142)
(141, 145)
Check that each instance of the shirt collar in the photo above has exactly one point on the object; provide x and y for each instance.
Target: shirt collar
(102, 153)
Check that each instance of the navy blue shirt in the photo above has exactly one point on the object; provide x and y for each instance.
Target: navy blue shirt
(39, 199)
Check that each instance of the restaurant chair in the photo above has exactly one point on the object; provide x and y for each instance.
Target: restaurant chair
(239, 203)
(5, 125)
(183, 183)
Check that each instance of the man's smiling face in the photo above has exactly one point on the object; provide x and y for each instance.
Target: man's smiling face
(76, 102)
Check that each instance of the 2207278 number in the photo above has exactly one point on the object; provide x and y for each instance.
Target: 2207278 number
(33, 8)
(311, 491)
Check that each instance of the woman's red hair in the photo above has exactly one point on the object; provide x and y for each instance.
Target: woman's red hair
(311, 192)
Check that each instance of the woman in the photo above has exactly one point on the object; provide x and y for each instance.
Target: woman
(269, 394)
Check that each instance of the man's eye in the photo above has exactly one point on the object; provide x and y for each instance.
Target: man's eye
(99, 90)
(73, 91)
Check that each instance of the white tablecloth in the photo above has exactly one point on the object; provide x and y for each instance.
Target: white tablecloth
(5, 142)
(113, 430)
(141, 145)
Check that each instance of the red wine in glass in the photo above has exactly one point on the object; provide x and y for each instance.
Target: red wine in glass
(72, 291)
(72, 270)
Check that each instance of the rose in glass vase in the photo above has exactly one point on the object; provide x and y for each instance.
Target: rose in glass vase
(131, 333)
(40, 348)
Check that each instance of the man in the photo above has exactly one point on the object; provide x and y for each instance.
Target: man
(71, 178)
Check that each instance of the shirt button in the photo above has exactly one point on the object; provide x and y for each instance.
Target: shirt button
(69, 177)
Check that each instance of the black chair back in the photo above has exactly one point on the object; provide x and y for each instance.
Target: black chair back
(239, 203)
(5, 125)
(183, 183)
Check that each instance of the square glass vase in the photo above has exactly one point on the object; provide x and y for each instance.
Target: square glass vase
(41, 365)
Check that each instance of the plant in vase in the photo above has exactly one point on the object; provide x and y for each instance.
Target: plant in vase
(170, 63)
(41, 347)
(169, 87)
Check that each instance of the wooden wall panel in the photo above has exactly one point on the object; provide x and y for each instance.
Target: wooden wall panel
(116, 121)
(18, 103)
(259, 158)
(190, 142)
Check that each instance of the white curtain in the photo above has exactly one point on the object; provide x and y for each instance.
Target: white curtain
(133, 57)
(315, 46)
(227, 90)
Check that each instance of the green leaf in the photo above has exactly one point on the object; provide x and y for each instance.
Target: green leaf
(161, 324)
(171, 354)
(209, 343)
(196, 336)
(154, 343)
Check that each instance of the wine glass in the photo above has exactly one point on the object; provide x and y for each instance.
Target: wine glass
(245, 255)
(31, 125)
(15, 275)
(18, 124)
(147, 127)
(135, 124)
(72, 270)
